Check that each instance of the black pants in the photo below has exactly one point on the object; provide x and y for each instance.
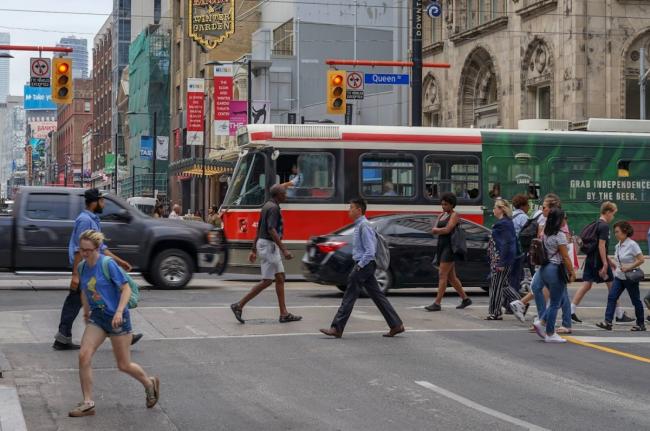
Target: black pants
(69, 312)
(365, 277)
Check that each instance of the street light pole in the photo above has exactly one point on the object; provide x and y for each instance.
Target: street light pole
(416, 48)
(250, 89)
(115, 173)
(155, 144)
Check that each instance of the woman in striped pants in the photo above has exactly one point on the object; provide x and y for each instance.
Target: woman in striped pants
(502, 251)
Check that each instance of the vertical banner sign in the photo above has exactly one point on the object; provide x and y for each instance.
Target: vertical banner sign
(348, 113)
(146, 148)
(223, 76)
(195, 96)
(109, 163)
(211, 21)
(162, 148)
(238, 115)
(261, 112)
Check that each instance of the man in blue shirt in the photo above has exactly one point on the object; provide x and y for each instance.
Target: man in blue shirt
(364, 247)
(87, 220)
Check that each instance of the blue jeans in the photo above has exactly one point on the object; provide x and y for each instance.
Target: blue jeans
(537, 287)
(635, 296)
(69, 312)
(550, 276)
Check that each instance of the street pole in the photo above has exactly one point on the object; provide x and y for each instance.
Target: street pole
(155, 138)
(132, 180)
(115, 173)
(416, 48)
(642, 79)
(250, 89)
(204, 197)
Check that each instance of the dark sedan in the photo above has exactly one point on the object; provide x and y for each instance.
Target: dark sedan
(328, 259)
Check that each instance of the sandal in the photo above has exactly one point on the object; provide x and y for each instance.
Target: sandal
(237, 310)
(564, 331)
(605, 325)
(82, 409)
(290, 318)
(492, 317)
(638, 328)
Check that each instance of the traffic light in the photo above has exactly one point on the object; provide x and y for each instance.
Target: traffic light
(62, 80)
(336, 89)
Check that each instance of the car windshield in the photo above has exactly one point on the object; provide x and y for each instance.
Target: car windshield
(347, 230)
(248, 182)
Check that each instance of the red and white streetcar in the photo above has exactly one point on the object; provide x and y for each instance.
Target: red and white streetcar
(397, 169)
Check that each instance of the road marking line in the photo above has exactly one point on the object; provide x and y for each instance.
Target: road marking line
(11, 412)
(479, 407)
(574, 340)
(615, 340)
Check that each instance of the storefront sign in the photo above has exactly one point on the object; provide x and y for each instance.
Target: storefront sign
(223, 76)
(195, 96)
(211, 21)
(238, 115)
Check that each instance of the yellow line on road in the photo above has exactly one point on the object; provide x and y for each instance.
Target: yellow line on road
(608, 350)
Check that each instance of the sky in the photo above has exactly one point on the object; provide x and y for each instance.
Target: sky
(46, 29)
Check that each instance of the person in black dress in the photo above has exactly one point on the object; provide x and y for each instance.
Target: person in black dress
(445, 257)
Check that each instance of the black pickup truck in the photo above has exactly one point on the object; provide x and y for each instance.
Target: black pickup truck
(34, 238)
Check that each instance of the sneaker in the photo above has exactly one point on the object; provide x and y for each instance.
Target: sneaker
(464, 303)
(625, 319)
(82, 409)
(519, 310)
(575, 318)
(539, 329)
(65, 346)
(433, 307)
(153, 392)
(554, 339)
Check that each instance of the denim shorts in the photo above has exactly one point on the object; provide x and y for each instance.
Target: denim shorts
(590, 273)
(104, 321)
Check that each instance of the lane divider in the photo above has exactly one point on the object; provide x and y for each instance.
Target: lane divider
(608, 350)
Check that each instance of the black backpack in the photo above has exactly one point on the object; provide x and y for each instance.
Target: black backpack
(538, 253)
(589, 238)
(528, 233)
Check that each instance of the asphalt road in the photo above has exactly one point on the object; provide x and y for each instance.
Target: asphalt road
(450, 371)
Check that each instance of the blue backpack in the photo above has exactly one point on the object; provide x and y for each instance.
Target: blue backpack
(135, 289)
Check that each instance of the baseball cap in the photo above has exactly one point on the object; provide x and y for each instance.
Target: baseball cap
(92, 195)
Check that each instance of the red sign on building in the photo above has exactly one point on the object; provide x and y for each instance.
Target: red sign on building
(195, 111)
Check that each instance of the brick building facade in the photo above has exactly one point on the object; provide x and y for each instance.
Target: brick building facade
(102, 103)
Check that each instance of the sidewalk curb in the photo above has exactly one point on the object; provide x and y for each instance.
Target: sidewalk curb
(11, 413)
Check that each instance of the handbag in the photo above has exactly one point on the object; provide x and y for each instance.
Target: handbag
(458, 241)
(634, 275)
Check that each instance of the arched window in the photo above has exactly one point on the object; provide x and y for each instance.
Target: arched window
(631, 86)
(537, 81)
(478, 96)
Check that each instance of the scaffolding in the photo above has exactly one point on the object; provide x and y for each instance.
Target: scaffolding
(149, 63)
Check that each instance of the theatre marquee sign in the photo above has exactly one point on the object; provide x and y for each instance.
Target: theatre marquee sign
(211, 21)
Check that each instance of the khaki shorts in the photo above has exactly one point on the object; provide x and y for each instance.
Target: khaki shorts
(271, 261)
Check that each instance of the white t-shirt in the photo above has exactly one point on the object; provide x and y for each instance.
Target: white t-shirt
(173, 215)
(625, 254)
(553, 244)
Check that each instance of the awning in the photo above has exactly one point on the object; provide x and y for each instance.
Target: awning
(194, 167)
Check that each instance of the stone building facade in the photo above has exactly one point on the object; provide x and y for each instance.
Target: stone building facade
(526, 59)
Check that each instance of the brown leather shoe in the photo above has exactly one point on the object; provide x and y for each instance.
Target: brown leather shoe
(332, 332)
(394, 331)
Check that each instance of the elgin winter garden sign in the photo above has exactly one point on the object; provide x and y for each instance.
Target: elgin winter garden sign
(211, 21)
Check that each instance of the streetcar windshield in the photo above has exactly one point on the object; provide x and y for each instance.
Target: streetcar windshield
(248, 182)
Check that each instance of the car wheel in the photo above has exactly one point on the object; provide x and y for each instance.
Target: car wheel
(384, 279)
(171, 269)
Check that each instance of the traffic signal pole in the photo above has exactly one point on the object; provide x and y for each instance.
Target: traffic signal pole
(416, 50)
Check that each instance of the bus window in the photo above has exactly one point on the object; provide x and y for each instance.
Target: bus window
(307, 175)
(387, 176)
(248, 183)
(459, 175)
(464, 179)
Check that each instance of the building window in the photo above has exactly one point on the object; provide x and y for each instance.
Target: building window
(386, 176)
(479, 12)
(86, 106)
(544, 102)
(283, 39)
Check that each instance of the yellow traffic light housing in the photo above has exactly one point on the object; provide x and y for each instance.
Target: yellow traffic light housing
(336, 92)
(62, 91)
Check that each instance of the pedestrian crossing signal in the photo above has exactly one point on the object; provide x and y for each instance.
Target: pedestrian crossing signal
(336, 92)
(62, 91)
